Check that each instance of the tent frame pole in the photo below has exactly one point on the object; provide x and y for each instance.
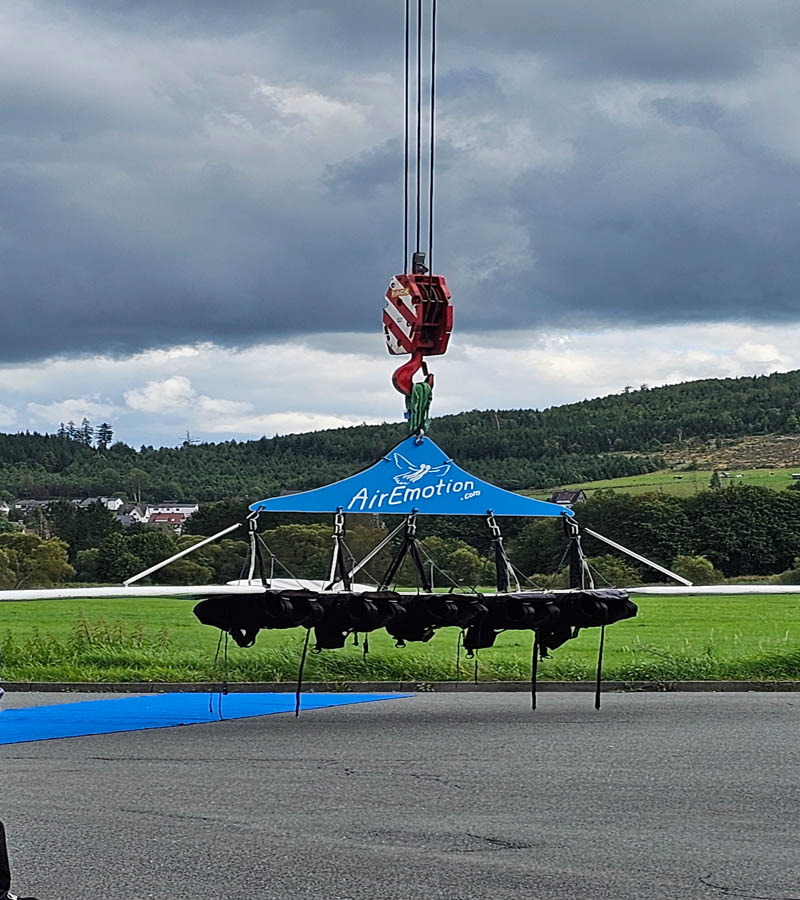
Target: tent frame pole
(643, 559)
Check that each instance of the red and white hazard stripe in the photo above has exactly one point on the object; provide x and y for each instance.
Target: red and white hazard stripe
(400, 319)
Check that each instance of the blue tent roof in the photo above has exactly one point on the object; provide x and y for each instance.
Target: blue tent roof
(415, 476)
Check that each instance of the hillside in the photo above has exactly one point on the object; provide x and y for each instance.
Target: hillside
(770, 451)
(680, 482)
(626, 434)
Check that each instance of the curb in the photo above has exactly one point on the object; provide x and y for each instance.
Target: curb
(388, 687)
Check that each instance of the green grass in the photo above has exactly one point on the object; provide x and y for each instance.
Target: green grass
(672, 639)
(689, 482)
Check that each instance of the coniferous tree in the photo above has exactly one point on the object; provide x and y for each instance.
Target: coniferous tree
(86, 432)
(104, 436)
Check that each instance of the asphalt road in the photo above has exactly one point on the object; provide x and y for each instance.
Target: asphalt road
(437, 796)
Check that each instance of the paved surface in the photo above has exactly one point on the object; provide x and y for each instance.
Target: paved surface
(438, 796)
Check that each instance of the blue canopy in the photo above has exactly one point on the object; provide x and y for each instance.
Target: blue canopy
(415, 476)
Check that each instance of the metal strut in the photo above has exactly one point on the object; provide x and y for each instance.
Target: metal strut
(256, 556)
(339, 569)
(579, 572)
(408, 546)
(503, 569)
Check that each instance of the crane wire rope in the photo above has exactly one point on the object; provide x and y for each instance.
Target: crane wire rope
(419, 126)
(431, 135)
(416, 51)
(407, 76)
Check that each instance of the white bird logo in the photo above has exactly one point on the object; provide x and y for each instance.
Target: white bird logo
(416, 473)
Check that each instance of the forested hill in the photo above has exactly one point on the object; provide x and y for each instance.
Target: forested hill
(622, 434)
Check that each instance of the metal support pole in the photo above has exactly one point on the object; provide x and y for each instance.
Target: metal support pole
(579, 573)
(639, 557)
(188, 550)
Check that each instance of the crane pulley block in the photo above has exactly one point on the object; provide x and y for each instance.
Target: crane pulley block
(418, 316)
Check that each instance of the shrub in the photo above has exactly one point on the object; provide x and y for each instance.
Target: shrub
(698, 569)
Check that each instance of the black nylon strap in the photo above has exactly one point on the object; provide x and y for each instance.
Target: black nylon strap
(5, 868)
(342, 569)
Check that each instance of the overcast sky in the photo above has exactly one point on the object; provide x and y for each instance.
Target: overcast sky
(200, 205)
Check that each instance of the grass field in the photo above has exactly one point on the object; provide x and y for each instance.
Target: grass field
(672, 639)
(680, 483)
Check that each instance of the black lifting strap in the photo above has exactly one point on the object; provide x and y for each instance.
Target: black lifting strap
(599, 667)
(502, 563)
(577, 568)
(256, 549)
(408, 546)
(342, 569)
(534, 667)
(301, 668)
(5, 868)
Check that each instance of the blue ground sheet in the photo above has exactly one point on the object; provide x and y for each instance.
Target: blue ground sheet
(85, 717)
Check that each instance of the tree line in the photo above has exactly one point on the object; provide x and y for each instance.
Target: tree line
(732, 532)
(623, 434)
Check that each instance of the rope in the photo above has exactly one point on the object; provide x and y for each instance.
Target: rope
(441, 571)
(419, 121)
(406, 137)
(274, 559)
(224, 685)
(432, 132)
(518, 572)
(363, 569)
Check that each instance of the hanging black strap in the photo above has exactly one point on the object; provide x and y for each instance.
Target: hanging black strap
(300, 674)
(534, 667)
(599, 667)
(5, 867)
(343, 570)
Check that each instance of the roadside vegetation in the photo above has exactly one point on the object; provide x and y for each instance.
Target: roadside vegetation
(672, 639)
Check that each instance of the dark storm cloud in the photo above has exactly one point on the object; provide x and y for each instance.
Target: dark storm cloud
(177, 171)
(693, 225)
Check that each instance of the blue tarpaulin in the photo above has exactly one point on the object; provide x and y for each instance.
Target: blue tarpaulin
(43, 723)
(416, 476)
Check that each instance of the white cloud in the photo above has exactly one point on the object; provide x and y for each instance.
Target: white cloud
(762, 353)
(286, 423)
(175, 395)
(333, 381)
(161, 397)
(73, 409)
(7, 415)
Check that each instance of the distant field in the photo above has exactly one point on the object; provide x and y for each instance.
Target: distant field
(670, 481)
(160, 640)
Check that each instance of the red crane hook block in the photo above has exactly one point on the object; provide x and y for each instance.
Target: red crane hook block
(417, 319)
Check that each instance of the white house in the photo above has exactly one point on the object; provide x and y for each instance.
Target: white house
(110, 503)
(131, 513)
(172, 507)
